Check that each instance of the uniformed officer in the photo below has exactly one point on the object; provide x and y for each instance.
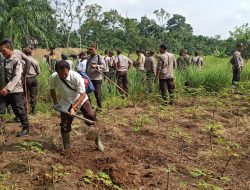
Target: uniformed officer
(165, 73)
(237, 63)
(11, 90)
(33, 71)
(95, 65)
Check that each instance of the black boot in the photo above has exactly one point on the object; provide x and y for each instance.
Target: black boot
(33, 111)
(23, 132)
(15, 120)
(66, 140)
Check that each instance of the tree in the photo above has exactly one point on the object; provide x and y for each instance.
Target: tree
(162, 17)
(242, 34)
(22, 19)
(67, 13)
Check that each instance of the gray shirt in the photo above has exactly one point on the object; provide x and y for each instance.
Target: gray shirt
(95, 73)
(237, 60)
(122, 63)
(198, 61)
(150, 64)
(166, 65)
(34, 69)
(13, 74)
(106, 65)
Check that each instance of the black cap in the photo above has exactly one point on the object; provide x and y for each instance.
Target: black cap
(240, 45)
(64, 56)
(164, 46)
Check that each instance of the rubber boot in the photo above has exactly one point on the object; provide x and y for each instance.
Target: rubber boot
(66, 140)
(99, 144)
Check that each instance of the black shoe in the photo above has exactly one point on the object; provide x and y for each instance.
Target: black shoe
(23, 132)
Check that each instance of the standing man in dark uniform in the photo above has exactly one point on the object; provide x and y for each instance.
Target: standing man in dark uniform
(11, 90)
(31, 81)
(95, 66)
(123, 64)
(237, 63)
(165, 73)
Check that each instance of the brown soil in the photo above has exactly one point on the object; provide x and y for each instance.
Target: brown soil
(141, 143)
(39, 53)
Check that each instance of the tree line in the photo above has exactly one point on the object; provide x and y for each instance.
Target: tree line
(74, 23)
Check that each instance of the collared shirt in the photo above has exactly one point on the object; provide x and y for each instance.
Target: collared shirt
(150, 64)
(111, 63)
(95, 73)
(141, 62)
(106, 65)
(237, 60)
(198, 61)
(122, 63)
(34, 68)
(21, 56)
(166, 65)
(13, 74)
(67, 95)
(81, 65)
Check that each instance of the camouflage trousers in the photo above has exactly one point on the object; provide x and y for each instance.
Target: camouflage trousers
(150, 76)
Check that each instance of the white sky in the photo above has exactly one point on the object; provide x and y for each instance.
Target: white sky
(207, 17)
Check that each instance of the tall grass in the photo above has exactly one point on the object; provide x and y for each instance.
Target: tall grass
(214, 76)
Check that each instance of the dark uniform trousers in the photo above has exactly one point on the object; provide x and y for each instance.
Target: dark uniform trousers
(17, 102)
(87, 111)
(98, 92)
(167, 85)
(236, 75)
(122, 81)
(32, 91)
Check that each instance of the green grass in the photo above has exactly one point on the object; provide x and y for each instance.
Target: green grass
(215, 76)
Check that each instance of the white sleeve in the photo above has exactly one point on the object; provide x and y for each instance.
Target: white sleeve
(52, 81)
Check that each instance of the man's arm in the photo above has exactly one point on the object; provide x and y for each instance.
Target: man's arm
(79, 101)
(53, 96)
(18, 74)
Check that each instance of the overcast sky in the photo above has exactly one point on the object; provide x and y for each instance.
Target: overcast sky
(207, 17)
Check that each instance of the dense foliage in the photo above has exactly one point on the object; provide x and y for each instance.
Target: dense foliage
(74, 23)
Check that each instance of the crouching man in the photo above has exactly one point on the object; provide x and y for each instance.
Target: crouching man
(70, 86)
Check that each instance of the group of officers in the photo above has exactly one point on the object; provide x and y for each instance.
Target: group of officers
(70, 89)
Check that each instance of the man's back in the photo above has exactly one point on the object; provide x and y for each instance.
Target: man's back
(166, 65)
(122, 62)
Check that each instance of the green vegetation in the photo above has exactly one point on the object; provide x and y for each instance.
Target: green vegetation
(99, 179)
(74, 23)
(32, 146)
